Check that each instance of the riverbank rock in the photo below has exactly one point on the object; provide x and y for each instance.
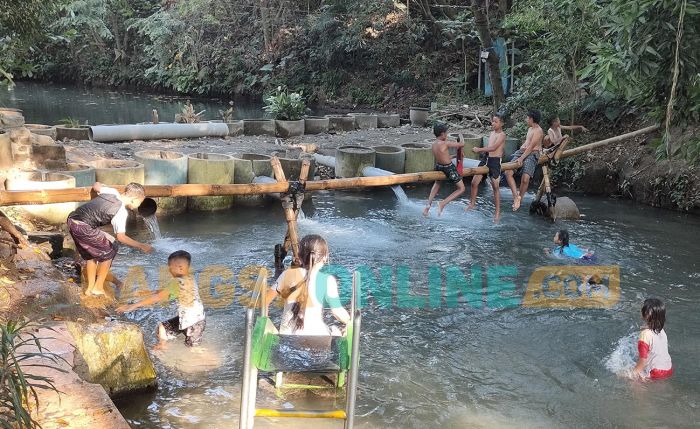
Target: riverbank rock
(113, 355)
(565, 209)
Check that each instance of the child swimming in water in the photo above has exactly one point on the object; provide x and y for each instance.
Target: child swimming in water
(654, 361)
(568, 250)
(190, 319)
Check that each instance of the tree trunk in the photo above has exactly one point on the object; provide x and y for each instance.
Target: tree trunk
(265, 21)
(481, 22)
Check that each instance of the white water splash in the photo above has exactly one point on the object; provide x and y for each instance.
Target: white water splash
(152, 223)
(624, 356)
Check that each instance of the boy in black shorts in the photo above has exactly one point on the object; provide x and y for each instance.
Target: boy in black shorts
(494, 152)
(190, 319)
(443, 162)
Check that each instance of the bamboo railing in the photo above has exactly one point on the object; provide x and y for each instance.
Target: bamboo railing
(9, 198)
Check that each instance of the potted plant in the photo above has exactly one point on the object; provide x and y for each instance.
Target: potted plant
(235, 128)
(288, 110)
(72, 129)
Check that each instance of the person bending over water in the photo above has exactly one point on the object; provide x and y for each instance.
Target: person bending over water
(494, 154)
(565, 249)
(95, 246)
(443, 162)
(654, 361)
(304, 291)
(190, 320)
(526, 157)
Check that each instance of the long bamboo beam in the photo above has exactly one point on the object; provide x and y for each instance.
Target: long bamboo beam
(48, 196)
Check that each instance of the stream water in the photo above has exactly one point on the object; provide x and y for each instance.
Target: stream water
(43, 103)
(478, 365)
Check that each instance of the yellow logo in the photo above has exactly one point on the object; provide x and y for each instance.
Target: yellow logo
(591, 286)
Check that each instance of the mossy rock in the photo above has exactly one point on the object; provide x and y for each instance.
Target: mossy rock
(113, 355)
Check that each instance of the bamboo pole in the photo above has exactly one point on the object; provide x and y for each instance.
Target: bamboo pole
(9, 198)
(288, 211)
(303, 175)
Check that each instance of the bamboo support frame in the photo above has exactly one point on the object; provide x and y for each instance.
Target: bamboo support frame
(9, 198)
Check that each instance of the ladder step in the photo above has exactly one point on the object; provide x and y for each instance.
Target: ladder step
(302, 414)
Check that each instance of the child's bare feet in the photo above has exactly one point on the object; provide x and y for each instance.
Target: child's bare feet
(516, 203)
(470, 207)
(426, 211)
(497, 218)
(441, 207)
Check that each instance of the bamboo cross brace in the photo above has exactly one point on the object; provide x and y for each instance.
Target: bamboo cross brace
(303, 175)
(289, 214)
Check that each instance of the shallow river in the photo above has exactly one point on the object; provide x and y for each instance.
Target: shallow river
(492, 363)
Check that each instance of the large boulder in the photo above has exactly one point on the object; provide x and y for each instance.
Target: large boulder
(565, 209)
(113, 355)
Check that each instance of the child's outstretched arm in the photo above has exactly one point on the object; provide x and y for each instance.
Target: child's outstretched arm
(157, 297)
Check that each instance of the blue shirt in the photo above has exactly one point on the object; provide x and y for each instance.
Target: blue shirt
(570, 251)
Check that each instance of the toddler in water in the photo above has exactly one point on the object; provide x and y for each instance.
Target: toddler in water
(566, 249)
(190, 319)
(654, 361)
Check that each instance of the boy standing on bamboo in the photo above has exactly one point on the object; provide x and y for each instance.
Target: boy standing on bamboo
(494, 154)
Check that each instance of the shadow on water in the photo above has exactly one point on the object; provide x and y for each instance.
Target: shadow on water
(475, 364)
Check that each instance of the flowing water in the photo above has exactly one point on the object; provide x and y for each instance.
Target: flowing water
(481, 365)
(153, 226)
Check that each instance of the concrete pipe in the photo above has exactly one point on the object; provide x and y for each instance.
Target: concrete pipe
(165, 168)
(292, 167)
(419, 116)
(316, 125)
(351, 160)
(364, 121)
(235, 128)
(286, 129)
(259, 127)
(210, 168)
(80, 133)
(340, 123)
(419, 158)
(116, 133)
(118, 171)
(390, 158)
(84, 174)
(470, 142)
(388, 120)
(54, 214)
(42, 130)
(246, 167)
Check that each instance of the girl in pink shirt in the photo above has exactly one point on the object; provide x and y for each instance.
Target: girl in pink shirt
(654, 361)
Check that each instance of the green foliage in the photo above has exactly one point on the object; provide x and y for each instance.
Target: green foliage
(71, 122)
(285, 105)
(634, 58)
(21, 351)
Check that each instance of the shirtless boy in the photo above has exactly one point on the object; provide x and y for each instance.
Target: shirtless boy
(443, 162)
(526, 157)
(494, 152)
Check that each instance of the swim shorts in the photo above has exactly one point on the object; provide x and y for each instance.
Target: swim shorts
(450, 172)
(193, 334)
(494, 165)
(92, 243)
(529, 164)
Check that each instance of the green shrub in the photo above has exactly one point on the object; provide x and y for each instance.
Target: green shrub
(285, 105)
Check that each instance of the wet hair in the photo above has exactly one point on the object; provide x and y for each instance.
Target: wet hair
(135, 190)
(440, 128)
(654, 314)
(313, 250)
(564, 238)
(535, 115)
(499, 116)
(180, 254)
